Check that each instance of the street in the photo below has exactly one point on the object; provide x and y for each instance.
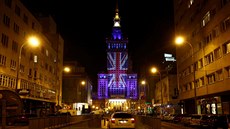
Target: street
(164, 125)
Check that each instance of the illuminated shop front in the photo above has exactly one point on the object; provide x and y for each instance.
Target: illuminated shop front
(210, 105)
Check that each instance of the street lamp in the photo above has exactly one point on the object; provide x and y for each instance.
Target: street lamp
(142, 93)
(143, 83)
(83, 92)
(32, 41)
(154, 70)
(67, 69)
(180, 40)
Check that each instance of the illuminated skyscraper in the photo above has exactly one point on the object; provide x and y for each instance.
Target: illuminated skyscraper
(117, 86)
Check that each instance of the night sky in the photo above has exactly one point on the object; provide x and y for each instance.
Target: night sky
(85, 24)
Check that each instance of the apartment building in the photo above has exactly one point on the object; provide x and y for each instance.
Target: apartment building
(203, 61)
(77, 88)
(35, 74)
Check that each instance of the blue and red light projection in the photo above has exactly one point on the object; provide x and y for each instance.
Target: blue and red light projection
(117, 82)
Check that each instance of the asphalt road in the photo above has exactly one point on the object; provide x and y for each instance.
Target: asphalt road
(164, 125)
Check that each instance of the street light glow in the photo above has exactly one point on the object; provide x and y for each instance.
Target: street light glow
(83, 82)
(33, 41)
(179, 40)
(153, 70)
(67, 69)
(143, 82)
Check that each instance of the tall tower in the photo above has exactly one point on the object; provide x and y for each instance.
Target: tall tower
(117, 61)
(117, 83)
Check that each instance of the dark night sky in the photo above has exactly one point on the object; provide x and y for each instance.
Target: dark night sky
(85, 24)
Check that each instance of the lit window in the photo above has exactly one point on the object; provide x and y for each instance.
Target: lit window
(211, 78)
(190, 2)
(227, 69)
(35, 59)
(206, 19)
(226, 23)
(47, 52)
(219, 75)
(217, 53)
(226, 48)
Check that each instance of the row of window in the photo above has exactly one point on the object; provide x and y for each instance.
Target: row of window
(31, 73)
(117, 46)
(17, 11)
(211, 78)
(7, 81)
(5, 43)
(209, 58)
(10, 82)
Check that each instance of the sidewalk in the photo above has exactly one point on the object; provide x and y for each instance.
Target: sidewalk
(16, 127)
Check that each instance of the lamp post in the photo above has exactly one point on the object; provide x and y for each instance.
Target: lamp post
(143, 83)
(180, 40)
(154, 70)
(83, 92)
(33, 41)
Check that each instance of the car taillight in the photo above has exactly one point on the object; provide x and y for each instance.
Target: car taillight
(132, 120)
(113, 120)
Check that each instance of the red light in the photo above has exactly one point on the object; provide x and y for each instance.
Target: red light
(133, 120)
(113, 120)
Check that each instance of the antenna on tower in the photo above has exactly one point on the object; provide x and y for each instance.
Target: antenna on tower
(117, 6)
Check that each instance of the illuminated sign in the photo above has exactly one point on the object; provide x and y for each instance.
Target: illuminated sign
(169, 57)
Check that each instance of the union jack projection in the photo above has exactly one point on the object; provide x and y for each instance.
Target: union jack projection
(117, 82)
(117, 67)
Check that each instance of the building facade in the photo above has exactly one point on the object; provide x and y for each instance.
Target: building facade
(77, 88)
(35, 74)
(166, 95)
(118, 87)
(203, 62)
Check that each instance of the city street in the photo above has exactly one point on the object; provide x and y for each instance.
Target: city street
(165, 125)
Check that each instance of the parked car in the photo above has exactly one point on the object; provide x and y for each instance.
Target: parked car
(9, 120)
(221, 121)
(121, 120)
(207, 121)
(178, 118)
(24, 118)
(185, 120)
(195, 120)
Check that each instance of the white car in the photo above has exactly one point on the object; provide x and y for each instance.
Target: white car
(121, 120)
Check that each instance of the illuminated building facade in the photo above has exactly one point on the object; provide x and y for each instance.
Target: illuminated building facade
(37, 77)
(118, 87)
(203, 66)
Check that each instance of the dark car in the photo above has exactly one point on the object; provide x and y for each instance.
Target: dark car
(207, 121)
(178, 118)
(9, 120)
(221, 121)
(24, 118)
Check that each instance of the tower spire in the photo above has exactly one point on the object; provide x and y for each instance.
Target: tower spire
(116, 18)
(117, 7)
